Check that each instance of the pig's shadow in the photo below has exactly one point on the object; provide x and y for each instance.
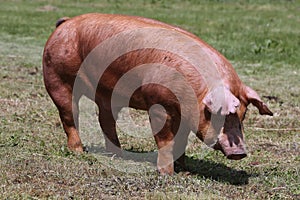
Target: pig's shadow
(197, 167)
(217, 171)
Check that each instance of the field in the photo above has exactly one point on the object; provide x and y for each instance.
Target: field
(260, 38)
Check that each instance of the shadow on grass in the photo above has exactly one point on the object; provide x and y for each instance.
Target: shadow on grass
(217, 171)
(197, 167)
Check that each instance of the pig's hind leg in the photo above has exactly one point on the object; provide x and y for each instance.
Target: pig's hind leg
(67, 106)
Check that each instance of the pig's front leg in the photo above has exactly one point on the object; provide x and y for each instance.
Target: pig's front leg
(165, 162)
(161, 124)
(181, 140)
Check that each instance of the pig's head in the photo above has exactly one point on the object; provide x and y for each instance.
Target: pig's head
(221, 120)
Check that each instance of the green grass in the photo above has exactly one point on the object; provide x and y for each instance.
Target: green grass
(260, 38)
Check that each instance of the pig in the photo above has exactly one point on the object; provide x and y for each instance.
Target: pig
(210, 101)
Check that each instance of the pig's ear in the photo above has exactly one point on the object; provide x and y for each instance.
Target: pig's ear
(221, 101)
(253, 98)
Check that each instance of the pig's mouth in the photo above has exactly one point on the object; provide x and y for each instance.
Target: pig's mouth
(231, 152)
(236, 155)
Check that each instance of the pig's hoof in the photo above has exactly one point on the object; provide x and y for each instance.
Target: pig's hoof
(76, 147)
(166, 170)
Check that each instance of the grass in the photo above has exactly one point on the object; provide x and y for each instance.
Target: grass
(261, 39)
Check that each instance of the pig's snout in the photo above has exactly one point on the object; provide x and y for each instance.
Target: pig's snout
(233, 149)
(236, 154)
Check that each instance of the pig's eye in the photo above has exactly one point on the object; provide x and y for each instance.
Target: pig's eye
(244, 114)
(207, 114)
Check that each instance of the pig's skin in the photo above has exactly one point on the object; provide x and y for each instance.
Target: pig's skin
(75, 38)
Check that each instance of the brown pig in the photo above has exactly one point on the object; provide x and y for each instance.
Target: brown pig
(125, 61)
